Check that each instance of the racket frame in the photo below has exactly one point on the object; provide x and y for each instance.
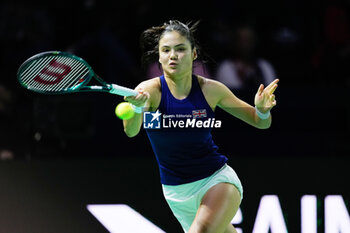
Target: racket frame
(81, 87)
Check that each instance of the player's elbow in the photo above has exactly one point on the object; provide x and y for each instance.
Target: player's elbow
(131, 127)
(130, 133)
(263, 125)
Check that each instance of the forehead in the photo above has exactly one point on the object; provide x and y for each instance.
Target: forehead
(172, 38)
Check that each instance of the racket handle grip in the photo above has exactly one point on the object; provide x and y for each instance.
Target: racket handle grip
(123, 91)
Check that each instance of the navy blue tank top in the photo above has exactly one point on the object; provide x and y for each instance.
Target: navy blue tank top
(185, 152)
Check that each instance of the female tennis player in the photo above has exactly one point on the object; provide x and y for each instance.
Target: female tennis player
(203, 192)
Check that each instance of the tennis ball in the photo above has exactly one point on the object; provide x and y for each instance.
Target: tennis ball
(124, 111)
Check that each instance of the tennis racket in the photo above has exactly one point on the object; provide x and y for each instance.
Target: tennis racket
(56, 72)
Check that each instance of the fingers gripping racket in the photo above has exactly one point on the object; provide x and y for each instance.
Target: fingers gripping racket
(57, 72)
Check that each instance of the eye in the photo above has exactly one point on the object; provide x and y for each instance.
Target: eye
(165, 50)
(181, 49)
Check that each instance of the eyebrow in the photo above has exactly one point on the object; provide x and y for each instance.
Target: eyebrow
(167, 46)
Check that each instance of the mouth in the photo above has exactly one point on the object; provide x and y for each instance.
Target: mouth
(172, 64)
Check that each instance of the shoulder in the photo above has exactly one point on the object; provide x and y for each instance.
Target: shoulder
(150, 85)
(213, 90)
(210, 85)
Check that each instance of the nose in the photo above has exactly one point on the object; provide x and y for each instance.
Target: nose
(173, 55)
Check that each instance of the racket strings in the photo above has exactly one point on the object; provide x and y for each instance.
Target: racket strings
(69, 79)
(44, 76)
(44, 86)
(49, 73)
(36, 68)
(33, 68)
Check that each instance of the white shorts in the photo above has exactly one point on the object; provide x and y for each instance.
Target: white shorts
(184, 199)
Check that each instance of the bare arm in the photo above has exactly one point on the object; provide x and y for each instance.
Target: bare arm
(133, 125)
(147, 92)
(264, 100)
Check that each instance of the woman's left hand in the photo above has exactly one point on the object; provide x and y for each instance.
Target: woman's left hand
(264, 98)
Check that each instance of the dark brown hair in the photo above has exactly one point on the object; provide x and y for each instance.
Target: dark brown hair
(149, 39)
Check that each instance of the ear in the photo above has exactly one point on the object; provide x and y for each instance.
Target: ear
(194, 54)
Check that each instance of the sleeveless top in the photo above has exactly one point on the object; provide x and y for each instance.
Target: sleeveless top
(183, 146)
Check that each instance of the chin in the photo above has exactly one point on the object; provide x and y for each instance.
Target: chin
(172, 71)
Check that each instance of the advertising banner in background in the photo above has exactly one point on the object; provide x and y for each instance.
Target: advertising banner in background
(92, 195)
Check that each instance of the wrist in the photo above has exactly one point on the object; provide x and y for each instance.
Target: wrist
(137, 109)
(261, 115)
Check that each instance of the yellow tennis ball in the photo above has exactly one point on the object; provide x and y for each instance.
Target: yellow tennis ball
(124, 111)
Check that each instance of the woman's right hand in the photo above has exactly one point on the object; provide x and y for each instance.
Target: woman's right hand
(140, 99)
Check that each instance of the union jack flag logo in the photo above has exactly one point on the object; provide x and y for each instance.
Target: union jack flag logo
(199, 113)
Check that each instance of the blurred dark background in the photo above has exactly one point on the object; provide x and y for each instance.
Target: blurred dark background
(305, 43)
(61, 153)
